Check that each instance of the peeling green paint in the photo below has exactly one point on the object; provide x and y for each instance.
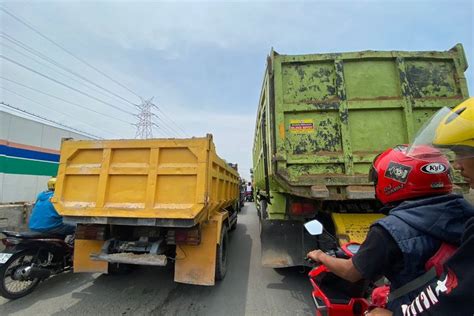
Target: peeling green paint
(359, 104)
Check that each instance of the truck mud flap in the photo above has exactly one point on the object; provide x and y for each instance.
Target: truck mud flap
(285, 243)
(197, 264)
(82, 261)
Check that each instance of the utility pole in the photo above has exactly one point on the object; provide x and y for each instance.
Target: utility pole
(145, 123)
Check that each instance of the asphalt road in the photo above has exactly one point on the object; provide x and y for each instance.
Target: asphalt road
(248, 289)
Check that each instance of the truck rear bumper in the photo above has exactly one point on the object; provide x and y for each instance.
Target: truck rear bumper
(285, 243)
(159, 222)
(131, 258)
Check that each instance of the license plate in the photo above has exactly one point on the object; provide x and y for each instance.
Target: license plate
(4, 257)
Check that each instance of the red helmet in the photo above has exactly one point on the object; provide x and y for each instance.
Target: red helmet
(398, 176)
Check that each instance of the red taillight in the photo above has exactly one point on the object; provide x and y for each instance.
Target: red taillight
(90, 232)
(184, 236)
(302, 208)
(180, 236)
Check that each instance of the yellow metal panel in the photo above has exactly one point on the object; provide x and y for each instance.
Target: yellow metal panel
(353, 227)
(151, 185)
(82, 262)
(155, 178)
(197, 264)
(103, 178)
(219, 218)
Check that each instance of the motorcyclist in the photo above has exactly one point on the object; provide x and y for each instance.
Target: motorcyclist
(249, 192)
(416, 192)
(44, 217)
(453, 130)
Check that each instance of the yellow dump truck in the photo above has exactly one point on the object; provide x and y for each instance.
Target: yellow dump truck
(147, 202)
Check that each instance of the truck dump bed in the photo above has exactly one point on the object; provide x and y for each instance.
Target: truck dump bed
(154, 182)
(322, 118)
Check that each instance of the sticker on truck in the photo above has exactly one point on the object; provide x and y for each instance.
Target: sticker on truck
(301, 126)
(4, 257)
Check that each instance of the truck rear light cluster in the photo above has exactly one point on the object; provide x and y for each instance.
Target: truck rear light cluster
(90, 232)
(302, 208)
(184, 236)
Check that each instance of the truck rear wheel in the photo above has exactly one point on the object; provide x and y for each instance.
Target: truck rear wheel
(234, 225)
(262, 212)
(221, 256)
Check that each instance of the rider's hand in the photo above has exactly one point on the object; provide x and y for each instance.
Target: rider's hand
(315, 255)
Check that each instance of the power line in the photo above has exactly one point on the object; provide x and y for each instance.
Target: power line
(162, 130)
(64, 100)
(65, 114)
(64, 49)
(169, 128)
(48, 120)
(52, 69)
(163, 124)
(86, 63)
(176, 124)
(52, 61)
(48, 108)
(66, 85)
(40, 55)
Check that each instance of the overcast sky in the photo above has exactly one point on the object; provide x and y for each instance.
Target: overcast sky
(202, 61)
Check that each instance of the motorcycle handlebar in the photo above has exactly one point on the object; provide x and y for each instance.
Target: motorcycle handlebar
(337, 253)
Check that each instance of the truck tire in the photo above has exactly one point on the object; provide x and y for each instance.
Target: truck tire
(234, 225)
(263, 209)
(221, 255)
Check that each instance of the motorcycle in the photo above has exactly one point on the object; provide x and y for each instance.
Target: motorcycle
(332, 295)
(29, 258)
(249, 196)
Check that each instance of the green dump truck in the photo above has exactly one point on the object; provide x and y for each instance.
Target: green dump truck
(322, 118)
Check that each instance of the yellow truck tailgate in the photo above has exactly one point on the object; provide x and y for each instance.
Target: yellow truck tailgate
(143, 179)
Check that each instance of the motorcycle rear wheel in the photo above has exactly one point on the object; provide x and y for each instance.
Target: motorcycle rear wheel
(10, 287)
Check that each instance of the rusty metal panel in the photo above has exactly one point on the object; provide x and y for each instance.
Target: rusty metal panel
(328, 115)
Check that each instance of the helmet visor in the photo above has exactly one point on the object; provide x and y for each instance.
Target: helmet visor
(447, 142)
(373, 175)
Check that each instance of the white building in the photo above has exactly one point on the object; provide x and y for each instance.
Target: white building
(29, 156)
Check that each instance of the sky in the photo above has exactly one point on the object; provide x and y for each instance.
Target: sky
(202, 61)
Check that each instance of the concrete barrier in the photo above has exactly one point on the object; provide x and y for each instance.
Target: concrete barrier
(14, 217)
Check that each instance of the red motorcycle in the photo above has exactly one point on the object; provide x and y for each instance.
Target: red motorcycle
(332, 295)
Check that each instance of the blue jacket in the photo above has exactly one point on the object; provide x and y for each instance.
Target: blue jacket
(418, 227)
(44, 217)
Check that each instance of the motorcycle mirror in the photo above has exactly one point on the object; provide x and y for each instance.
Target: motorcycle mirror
(314, 227)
